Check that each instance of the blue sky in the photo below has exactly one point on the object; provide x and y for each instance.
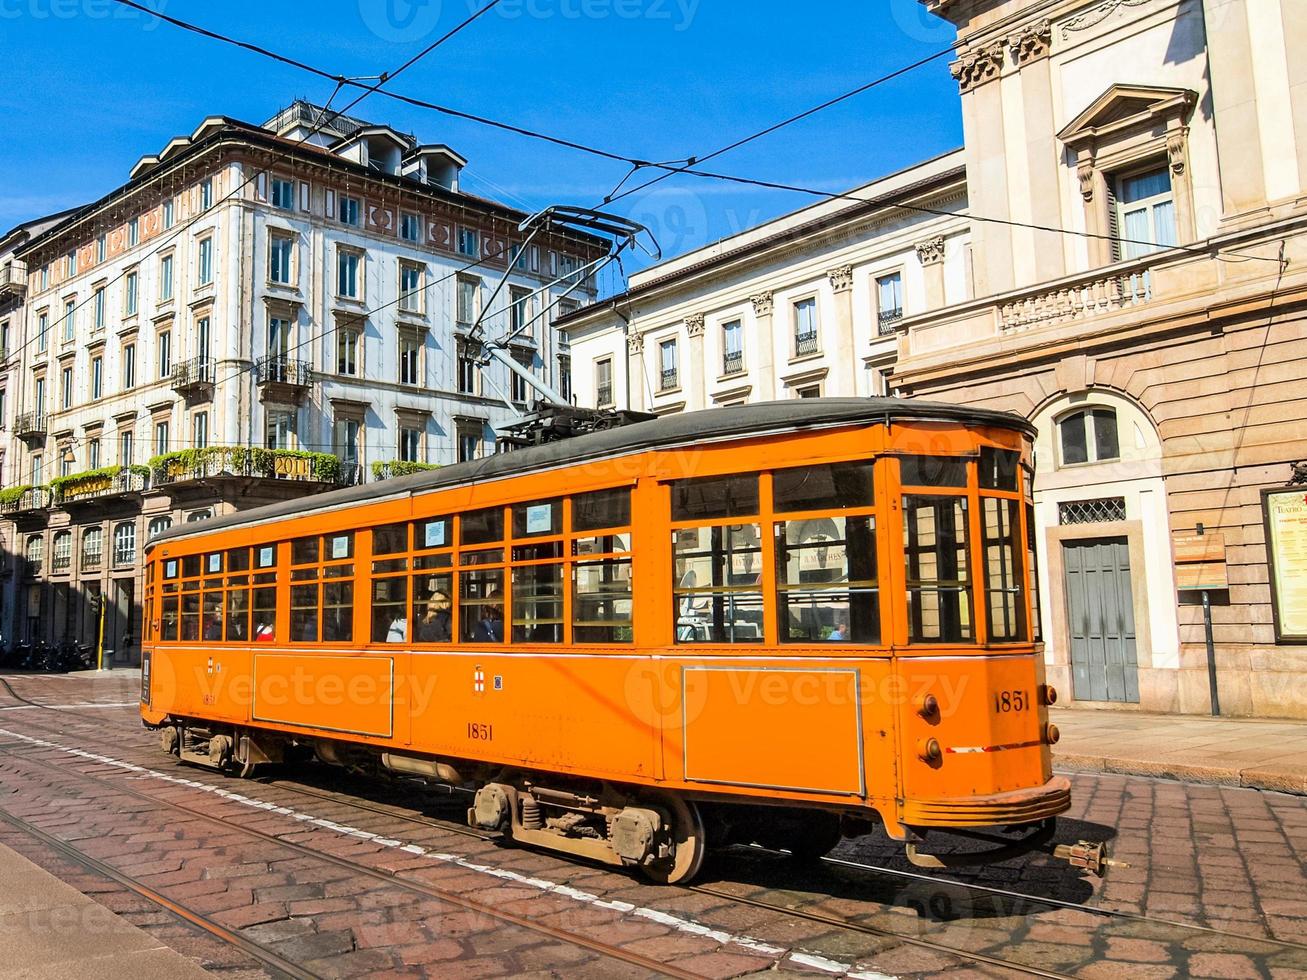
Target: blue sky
(88, 87)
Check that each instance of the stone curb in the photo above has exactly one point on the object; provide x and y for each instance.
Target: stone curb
(1272, 780)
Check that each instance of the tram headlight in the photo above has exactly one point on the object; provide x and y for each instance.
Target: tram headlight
(1050, 694)
(929, 751)
(1051, 734)
(928, 707)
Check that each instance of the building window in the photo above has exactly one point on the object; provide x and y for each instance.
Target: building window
(206, 194)
(1089, 436)
(124, 543)
(61, 553)
(283, 193)
(35, 553)
(67, 461)
(732, 347)
(410, 444)
(1145, 213)
(467, 370)
(410, 227)
(99, 309)
(349, 211)
(347, 432)
(130, 294)
(165, 354)
(808, 391)
(280, 431)
(281, 250)
(205, 270)
(37, 467)
(469, 441)
(466, 302)
(159, 525)
(97, 377)
(278, 337)
(195, 516)
(165, 278)
(519, 310)
(468, 242)
(66, 387)
(39, 398)
(518, 384)
(126, 447)
(604, 383)
(129, 366)
(410, 358)
(668, 373)
(43, 332)
(805, 327)
(411, 292)
(70, 320)
(889, 302)
(93, 454)
(167, 214)
(200, 430)
(4, 341)
(347, 274)
(565, 377)
(101, 248)
(134, 232)
(347, 351)
(161, 440)
(92, 547)
(202, 343)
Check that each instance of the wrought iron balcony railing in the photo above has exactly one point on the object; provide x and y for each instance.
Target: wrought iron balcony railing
(29, 425)
(282, 370)
(196, 373)
(805, 343)
(670, 379)
(98, 486)
(604, 394)
(733, 362)
(887, 320)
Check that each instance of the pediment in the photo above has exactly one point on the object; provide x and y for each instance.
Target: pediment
(1127, 105)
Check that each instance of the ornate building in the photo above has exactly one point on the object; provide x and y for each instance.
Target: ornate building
(1125, 267)
(260, 312)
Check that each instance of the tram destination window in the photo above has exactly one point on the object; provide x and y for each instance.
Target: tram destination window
(538, 519)
(826, 580)
(601, 510)
(1003, 583)
(999, 468)
(938, 570)
(715, 497)
(717, 584)
(390, 540)
(933, 471)
(836, 487)
(482, 526)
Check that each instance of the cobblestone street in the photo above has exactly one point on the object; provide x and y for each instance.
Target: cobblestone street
(313, 873)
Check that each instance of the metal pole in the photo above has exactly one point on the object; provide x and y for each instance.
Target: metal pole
(99, 639)
(1211, 654)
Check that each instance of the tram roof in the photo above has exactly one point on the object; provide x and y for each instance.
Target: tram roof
(683, 429)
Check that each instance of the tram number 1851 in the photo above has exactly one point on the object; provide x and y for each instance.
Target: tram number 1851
(480, 733)
(1006, 702)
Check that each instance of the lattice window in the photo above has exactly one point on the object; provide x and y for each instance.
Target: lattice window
(1101, 511)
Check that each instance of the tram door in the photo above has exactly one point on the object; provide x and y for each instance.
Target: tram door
(1101, 620)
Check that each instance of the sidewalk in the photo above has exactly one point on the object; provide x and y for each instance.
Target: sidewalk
(1269, 755)
(50, 930)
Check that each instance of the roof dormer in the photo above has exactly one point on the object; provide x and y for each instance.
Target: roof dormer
(378, 148)
(435, 164)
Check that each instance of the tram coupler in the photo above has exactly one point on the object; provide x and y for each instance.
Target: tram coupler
(1088, 855)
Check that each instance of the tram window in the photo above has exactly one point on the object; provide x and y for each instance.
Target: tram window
(168, 628)
(337, 612)
(481, 606)
(836, 487)
(170, 568)
(491, 556)
(601, 602)
(998, 468)
(1003, 585)
(717, 584)
(304, 613)
(238, 560)
(338, 547)
(238, 615)
(534, 519)
(266, 556)
(389, 602)
(715, 496)
(390, 566)
(304, 551)
(938, 570)
(482, 526)
(1032, 557)
(190, 566)
(433, 611)
(264, 607)
(538, 552)
(605, 544)
(433, 561)
(827, 583)
(601, 510)
(190, 617)
(390, 540)
(932, 471)
(432, 534)
(211, 617)
(538, 604)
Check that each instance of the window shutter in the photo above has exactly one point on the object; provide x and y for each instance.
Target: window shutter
(261, 187)
(1114, 221)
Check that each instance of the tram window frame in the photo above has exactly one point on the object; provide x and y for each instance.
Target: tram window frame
(599, 557)
(1001, 554)
(962, 628)
(716, 498)
(934, 472)
(788, 483)
(325, 583)
(729, 614)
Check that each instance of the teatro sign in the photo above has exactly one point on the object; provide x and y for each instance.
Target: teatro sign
(1286, 547)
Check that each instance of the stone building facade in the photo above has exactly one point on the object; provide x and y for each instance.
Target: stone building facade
(1132, 232)
(260, 312)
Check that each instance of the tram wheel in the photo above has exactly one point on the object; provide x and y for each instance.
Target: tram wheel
(820, 835)
(690, 839)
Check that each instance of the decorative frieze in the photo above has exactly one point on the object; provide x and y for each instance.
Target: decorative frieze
(1031, 42)
(841, 278)
(980, 65)
(1096, 15)
(931, 250)
(694, 324)
(762, 303)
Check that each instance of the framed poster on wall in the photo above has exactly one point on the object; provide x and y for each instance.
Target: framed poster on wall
(1286, 549)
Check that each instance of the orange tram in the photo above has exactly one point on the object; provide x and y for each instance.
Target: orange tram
(775, 624)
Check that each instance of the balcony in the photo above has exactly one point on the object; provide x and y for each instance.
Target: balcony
(220, 463)
(193, 376)
(669, 379)
(283, 379)
(13, 281)
(396, 468)
(20, 502)
(805, 344)
(733, 362)
(110, 482)
(604, 395)
(888, 320)
(30, 426)
(91, 560)
(1089, 298)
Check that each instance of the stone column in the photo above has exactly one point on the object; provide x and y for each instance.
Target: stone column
(635, 380)
(930, 254)
(1028, 49)
(845, 347)
(1230, 51)
(696, 395)
(763, 306)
